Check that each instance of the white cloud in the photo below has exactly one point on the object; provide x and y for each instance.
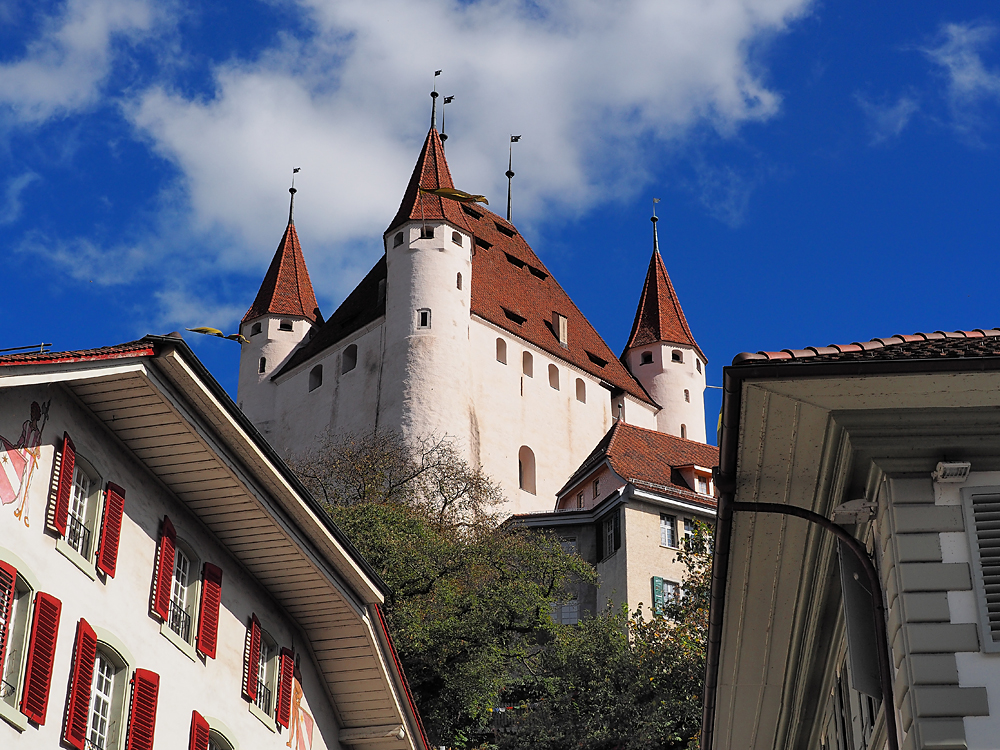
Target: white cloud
(593, 86)
(887, 119)
(62, 70)
(970, 83)
(10, 209)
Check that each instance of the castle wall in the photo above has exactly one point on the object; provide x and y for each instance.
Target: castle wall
(678, 387)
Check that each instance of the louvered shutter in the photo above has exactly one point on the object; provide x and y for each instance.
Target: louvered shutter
(41, 654)
(658, 599)
(199, 732)
(77, 712)
(111, 529)
(60, 516)
(983, 512)
(164, 572)
(142, 713)
(284, 712)
(8, 579)
(251, 659)
(208, 619)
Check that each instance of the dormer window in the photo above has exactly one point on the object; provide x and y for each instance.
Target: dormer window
(646, 358)
(255, 329)
(285, 325)
(560, 327)
(397, 240)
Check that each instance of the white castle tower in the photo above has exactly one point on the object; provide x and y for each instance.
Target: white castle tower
(662, 354)
(283, 314)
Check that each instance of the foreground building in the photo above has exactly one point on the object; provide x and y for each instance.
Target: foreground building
(893, 444)
(164, 575)
(460, 330)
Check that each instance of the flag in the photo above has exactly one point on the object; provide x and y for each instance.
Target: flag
(515, 138)
(437, 73)
(448, 99)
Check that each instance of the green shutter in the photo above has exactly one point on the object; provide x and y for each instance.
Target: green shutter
(657, 595)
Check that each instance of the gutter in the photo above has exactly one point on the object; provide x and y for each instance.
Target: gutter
(733, 378)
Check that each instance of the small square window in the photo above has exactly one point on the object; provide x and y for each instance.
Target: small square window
(285, 325)
(427, 233)
(423, 318)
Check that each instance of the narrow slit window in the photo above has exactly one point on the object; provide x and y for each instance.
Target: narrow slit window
(350, 359)
(581, 391)
(315, 377)
(262, 364)
(697, 365)
(528, 364)
(501, 351)
(458, 281)
(687, 396)
(554, 377)
(424, 318)
(684, 431)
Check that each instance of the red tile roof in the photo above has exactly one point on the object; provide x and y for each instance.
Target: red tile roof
(976, 343)
(139, 348)
(286, 289)
(659, 316)
(511, 288)
(648, 458)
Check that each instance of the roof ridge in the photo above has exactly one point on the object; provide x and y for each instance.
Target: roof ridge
(659, 315)
(286, 288)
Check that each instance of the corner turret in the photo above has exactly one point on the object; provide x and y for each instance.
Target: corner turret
(662, 354)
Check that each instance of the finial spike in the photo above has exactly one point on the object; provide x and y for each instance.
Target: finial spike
(434, 101)
(654, 219)
(291, 201)
(510, 171)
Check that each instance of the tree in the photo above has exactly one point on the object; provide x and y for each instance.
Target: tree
(470, 599)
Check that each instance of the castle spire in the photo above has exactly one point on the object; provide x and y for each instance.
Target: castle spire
(659, 316)
(287, 288)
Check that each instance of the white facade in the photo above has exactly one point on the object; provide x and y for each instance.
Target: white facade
(674, 375)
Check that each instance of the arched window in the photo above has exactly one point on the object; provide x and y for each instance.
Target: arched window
(501, 351)
(458, 281)
(262, 365)
(684, 431)
(697, 364)
(554, 377)
(687, 395)
(676, 356)
(528, 364)
(285, 325)
(581, 391)
(315, 377)
(526, 469)
(456, 238)
(255, 329)
(350, 359)
(397, 240)
(646, 358)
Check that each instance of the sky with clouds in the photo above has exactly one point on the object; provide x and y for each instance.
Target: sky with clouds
(828, 172)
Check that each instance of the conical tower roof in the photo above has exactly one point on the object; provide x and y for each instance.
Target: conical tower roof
(430, 172)
(286, 289)
(659, 316)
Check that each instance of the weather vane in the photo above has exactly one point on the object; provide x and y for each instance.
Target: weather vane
(293, 191)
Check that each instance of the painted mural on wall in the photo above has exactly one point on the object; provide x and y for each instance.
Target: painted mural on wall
(300, 728)
(19, 459)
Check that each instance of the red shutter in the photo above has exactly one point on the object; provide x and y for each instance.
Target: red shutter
(111, 529)
(61, 515)
(199, 732)
(284, 712)
(208, 617)
(164, 569)
(41, 654)
(142, 714)
(251, 659)
(8, 578)
(77, 712)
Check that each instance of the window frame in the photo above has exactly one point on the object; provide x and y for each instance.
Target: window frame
(93, 512)
(668, 531)
(420, 322)
(23, 606)
(192, 592)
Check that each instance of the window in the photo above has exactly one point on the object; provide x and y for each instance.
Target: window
(579, 500)
(77, 511)
(697, 364)
(315, 377)
(527, 364)
(687, 395)
(397, 240)
(581, 391)
(676, 356)
(688, 529)
(646, 358)
(668, 531)
(526, 469)
(560, 327)
(664, 592)
(457, 239)
(554, 377)
(77, 533)
(262, 365)
(597, 487)
(423, 318)
(684, 431)
(350, 359)
(267, 675)
(216, 741)
(458, 281)
(101, 700)
(609, 537)
(426, 233)
(702, 485)
(501, 351)
(285, 325)
(181, 596)
(255, 329)
(15, 609)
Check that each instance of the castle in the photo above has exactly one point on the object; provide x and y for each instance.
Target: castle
(460, 330)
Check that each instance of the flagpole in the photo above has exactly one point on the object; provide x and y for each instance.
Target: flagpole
(510, 172)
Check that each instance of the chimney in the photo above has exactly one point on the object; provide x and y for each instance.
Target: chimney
(560, 329)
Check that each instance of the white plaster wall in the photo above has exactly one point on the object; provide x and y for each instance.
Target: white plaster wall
(121, 605)
(975, 669)
(255, 391)
(666, 382)
(345, 402)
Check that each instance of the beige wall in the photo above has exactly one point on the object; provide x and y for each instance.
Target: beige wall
(121, 605)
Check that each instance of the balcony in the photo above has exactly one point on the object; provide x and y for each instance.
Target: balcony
(78, 536)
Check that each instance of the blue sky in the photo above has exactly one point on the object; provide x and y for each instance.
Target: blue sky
(828, 172)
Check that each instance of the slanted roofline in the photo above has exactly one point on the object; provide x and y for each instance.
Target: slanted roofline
(286, 289)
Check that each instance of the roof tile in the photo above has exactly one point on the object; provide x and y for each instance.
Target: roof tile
(286, 289)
